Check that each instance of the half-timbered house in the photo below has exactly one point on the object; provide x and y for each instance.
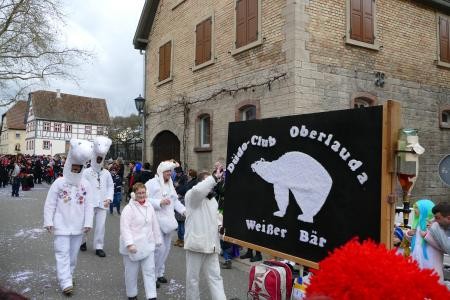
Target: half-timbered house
(53, 118)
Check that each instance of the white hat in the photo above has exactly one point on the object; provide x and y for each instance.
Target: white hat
(165, 166)
(79, 153)
(101, 147)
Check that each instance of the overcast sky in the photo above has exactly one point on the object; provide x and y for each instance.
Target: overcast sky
(105, 27)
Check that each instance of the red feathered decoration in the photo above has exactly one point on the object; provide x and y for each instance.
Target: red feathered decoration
(370, 271)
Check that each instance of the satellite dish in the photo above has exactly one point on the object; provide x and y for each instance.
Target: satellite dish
(444, 170)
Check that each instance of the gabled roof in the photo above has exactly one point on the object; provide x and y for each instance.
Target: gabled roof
(69, 108)
(15, 116)
(140, 39)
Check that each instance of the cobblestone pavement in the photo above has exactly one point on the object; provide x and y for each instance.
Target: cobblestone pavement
(27, 263)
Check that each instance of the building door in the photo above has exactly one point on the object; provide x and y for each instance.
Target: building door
(165, 146)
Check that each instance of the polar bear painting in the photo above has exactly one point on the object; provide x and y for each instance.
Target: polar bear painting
(307, 179)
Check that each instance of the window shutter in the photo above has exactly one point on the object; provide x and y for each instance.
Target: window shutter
(199, 44)
(168, 59)
(356, 20)
(207, 39)
(252, 21)
(444, 37)
(161, 63)
(368, 25)
(241, 23)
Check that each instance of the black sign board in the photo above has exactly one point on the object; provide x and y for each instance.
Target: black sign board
(303, 185)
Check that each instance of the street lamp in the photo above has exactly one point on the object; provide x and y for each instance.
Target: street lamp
(140, 103)
(140, 107)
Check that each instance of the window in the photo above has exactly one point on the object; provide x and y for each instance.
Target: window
(68, 128)
(165, 60)
(444, 117)
(46, 126)
(363, 99)
(203, 42)
(248, 113)
(100, 130)
(248, 24)
(57, 127)
(17, 135)
(46, 145)
(361, 23)
(204, 131)
(444, 41)
(88, 129)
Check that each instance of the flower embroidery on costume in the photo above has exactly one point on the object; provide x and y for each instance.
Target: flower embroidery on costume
(64, 194)
(81, 195)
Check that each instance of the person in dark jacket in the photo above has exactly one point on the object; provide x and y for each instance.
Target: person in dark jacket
(146, 173)
(180, 184)
(117, 190)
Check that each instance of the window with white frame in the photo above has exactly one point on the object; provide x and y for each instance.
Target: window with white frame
(47, 126)
(46, 145)
(100, 130)
(204, 131)
(57, 127)
(68, 128)
(88, 129)
(248, 113)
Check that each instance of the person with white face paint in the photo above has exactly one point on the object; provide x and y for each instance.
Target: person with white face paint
(103, 187)
(164, 198)
(68, 212)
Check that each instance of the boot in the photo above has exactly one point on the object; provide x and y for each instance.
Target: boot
(83, 247)
(181, 244)
(177, 242)
(226, 265)
(249, 254)
(257, 257)
(68, 291)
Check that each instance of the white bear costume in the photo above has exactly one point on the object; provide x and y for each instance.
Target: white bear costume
(103, 187)
(158, 190)
(67, 210)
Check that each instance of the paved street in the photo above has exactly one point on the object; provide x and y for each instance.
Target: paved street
(27, 263)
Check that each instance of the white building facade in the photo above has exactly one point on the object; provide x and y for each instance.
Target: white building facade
(49, 128)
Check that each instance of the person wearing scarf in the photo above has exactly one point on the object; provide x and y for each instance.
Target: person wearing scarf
(164, 198)
(138, 223)
(426, 255)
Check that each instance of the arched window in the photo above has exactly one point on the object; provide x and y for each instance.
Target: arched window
(444, 117)
(247, 110)
(362, 99)
(203, 130)
(248, 113)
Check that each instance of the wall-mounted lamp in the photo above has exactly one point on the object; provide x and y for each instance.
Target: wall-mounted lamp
(379, 81)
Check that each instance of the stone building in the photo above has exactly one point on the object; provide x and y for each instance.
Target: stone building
(211, 62)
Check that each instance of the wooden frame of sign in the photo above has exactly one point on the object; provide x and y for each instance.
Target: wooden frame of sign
(342, 161)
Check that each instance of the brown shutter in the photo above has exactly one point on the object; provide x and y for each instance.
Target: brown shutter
(368, 21)
(199, 44)
(207, 39)
(444, 36)
(168, 59)
(252, 21)
(161, 63)
(356, 23)
(241, 23)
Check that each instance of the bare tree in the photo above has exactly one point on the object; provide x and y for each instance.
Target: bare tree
(30, 46)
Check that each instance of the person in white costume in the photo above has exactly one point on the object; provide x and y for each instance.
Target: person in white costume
(201, 239)
(164, 198)
(68, 212)
(139, 231)
(103, 187)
